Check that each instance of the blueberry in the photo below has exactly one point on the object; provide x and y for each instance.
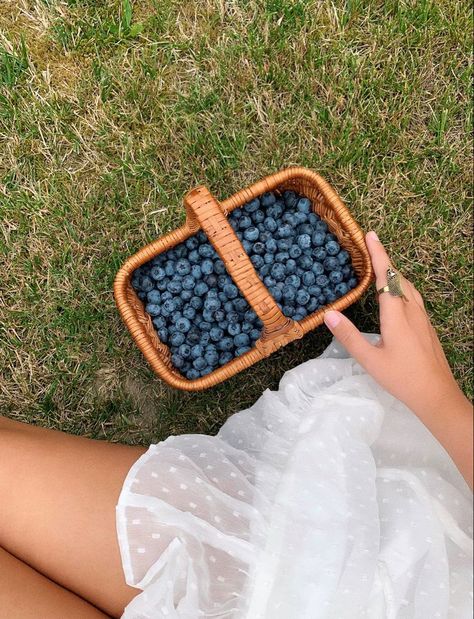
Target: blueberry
(312, 305)
(208, 315)
(284, 231)
(258, 248)
(146, 284)
(188, 282)
(265, 270)
(257, 261)
(336, 277)
(300, 218)
(225, 357)
(251, 234)
(159, 322)
(178, 302)
(194, 257)
(330, 237)
(206, 251)
(304, 241)
(332, 248)
(270, 224)
(177, 361)
(189, 312)
(240, 305)
(242, 350)
(163, 335)
(170, 268)
(343, 257)
(277, 272)
(196, 303)
(233, 317)
(304, 262)
(305, 229)
(157, 273)
(258, 216)
(352, 282)
(319, 253)
(290, 265)
(207, 266)
(314, 291)
(211, 356)
(196, 271)
(293, 280)
(228, 306)
(183, 325)
(201, 288)
(245, 222)
(219, 315)
(199, 363)
(321, 226)
(341, 289)
(219, 267)
(153, 296)
(289, 218)
(254, 334)
(216, 334)
(212, 303)
(196, 351)
(290, 198)
(267, 199)
(226, 344)
(246, 327)
(289, 292)
(184, 351)
(177, 338)
(211, 280)
(275, 210)
(271, 246)
(269, 281)
(192, 243)
(236, 214)
(223, 324)
(295, 251)
(346, 271)
(183, 267)
(247, 245)
(153, 309)
(231, 291)
(264, 235)
(250, 316)
(288, 310)
(322, 280)
(252, 206)
(187, 295)
(192, 374)
(303, 205)
(234, 328)
(308, 278)
(329, 294)
(331, 263)
(276, 293)
(168, 307)
(175, 286)
(318, 238)
(302, 297)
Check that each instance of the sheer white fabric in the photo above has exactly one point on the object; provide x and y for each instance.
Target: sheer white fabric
(325, 499)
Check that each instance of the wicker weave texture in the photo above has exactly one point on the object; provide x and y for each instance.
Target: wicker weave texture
(204, 212)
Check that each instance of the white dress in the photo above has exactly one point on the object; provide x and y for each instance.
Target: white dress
(325, 499)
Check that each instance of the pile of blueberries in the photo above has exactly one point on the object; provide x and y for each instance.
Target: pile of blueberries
(198, 311)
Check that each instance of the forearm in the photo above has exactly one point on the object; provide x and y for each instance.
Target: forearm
(450, 420)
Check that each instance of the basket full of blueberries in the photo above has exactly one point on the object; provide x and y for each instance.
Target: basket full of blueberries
(200, 314)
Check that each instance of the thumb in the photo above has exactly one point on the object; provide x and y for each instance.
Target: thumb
(351, 338)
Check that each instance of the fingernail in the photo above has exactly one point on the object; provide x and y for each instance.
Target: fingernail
(373, 235)
(332, 318)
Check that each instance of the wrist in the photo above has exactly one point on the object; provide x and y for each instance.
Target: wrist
(449, 403)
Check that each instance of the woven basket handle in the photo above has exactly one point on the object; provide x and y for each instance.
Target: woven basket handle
(203, 211)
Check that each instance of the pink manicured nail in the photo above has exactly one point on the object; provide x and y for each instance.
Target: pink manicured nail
(373, 235)
(332, 318)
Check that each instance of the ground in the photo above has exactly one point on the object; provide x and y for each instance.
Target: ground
(110, 111)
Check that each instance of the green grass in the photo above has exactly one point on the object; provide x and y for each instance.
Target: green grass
(110, 111)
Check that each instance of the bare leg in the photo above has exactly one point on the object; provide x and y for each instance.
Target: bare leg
(27, 594)
(57, 509)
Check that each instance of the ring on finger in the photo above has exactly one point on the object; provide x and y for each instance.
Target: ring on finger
(394, 284)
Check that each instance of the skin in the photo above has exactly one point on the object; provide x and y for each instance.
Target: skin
(409, 362)
(58, 492)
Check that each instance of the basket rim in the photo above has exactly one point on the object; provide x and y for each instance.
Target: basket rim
(135, 319)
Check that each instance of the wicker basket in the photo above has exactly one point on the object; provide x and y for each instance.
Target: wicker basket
(205, 213)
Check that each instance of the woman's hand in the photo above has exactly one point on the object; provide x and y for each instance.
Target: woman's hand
(408, 361)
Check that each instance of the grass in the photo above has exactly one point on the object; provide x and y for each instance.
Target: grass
(110, 111)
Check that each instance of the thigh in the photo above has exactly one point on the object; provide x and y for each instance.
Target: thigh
(57, 509)
(27, 594)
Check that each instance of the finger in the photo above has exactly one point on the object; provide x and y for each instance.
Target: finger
(352, 339)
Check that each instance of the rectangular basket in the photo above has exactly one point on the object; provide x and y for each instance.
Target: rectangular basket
(205, 213)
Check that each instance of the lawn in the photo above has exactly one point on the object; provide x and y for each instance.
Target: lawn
(110, 111)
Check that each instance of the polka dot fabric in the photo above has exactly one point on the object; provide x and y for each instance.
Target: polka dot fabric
(325, 499)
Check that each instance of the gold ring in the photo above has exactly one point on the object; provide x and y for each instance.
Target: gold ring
(394, 284)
